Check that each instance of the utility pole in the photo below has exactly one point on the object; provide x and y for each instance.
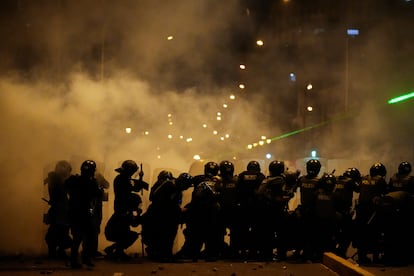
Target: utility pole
(350, 33)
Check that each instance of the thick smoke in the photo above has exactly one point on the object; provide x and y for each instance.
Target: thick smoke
(89, 119)
(76, 75)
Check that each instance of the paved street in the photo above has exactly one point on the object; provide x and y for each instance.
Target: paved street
(141, 266)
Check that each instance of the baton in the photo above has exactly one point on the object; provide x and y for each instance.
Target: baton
(140, 177)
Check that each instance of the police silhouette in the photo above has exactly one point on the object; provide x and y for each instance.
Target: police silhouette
(84, 193)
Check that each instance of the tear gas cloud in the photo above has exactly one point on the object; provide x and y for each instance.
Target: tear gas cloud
(98, 68)
(40, 127)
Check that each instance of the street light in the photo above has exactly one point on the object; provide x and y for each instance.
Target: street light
(349, 33)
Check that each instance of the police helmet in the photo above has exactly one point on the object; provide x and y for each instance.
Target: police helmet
(203, 192)
(88, 168)
(378, 169)
(353, 173)
(128, 167)
(165, 175)
(404, 168)
(313, 167)
(211, 168)
(184, 181)
(63, 168)
(328, 182)
(226, 168)
(253, 166)
(276, 167)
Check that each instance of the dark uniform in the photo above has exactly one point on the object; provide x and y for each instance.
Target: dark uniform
(202, 217)
(84, 193)
(103, 185)
(127, 211)
(247, 184)
(211, 169)
(57, 236)
(402, 180)
(326, 218)
(343, 194)
(118, 229)
(271, 230)
(308, 186)
(396, 209)
(124, 185)
(368, 225)
(394, 212)
(228, 199)
(161, 220)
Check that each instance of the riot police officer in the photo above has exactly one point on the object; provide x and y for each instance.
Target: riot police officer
(161, 220)
(124, 185)
(273, 196)
(308, 186)
(228, 200)
(84, 193)
(57, 236)
(247, 184)
(202, 218)
(118, 229)
(346, 185)
(126, 210)
(103, 185)
(402, 180)
(211, 170)
(368, 227)
(326, 218)
(395, 211)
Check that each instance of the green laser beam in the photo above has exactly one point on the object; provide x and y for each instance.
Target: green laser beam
(337, 118)
(401, 98)
(298, 131)
(391, 101)
(294, 132)
(340, 117)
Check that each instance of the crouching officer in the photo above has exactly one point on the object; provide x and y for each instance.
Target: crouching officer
(118, 229)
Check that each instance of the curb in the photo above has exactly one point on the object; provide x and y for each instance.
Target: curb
(342, 266)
